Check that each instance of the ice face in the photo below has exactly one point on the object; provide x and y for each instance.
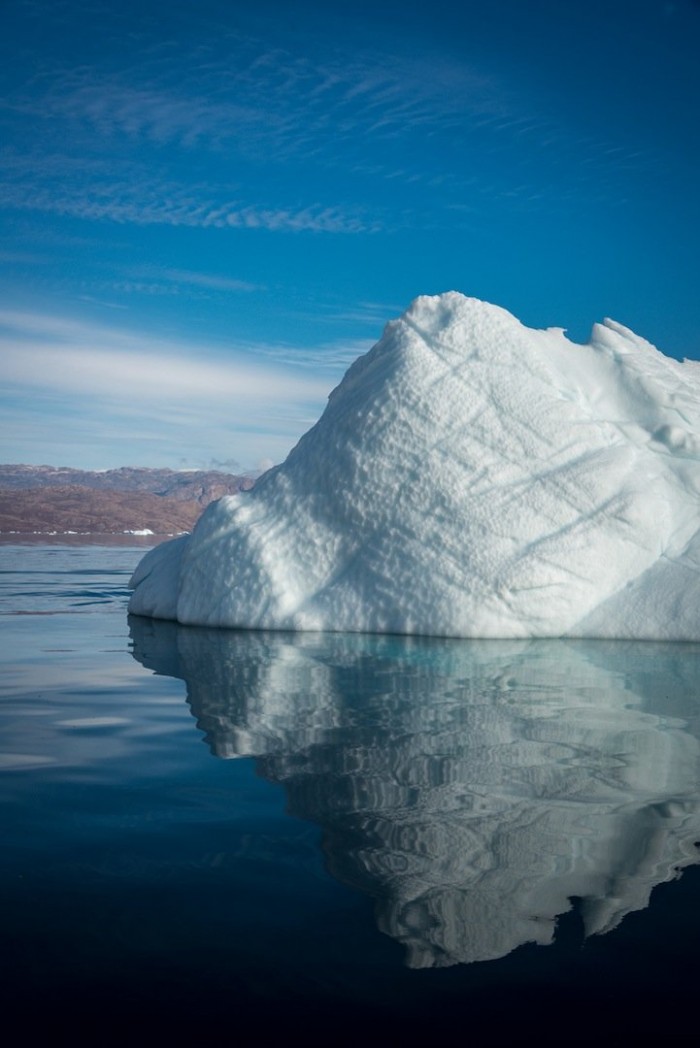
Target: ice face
(469, 477)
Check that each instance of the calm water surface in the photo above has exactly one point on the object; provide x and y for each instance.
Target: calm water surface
(331, 839)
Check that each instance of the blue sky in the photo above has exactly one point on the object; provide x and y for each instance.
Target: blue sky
(210, 209)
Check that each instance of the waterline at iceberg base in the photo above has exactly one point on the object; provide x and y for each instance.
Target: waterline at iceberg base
(473, 789)
(469, 477)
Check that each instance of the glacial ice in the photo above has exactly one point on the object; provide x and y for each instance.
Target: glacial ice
(469, 477)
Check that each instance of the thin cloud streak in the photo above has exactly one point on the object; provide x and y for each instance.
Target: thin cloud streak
(110, 396)
(156, 280)
(376, 94)
(209, 281)
(111, 374)
(126, 203)
(63, 355)
(332, 356)
(252, 103)
(311, 109)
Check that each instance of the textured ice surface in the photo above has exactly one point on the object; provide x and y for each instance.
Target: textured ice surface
(469, 477)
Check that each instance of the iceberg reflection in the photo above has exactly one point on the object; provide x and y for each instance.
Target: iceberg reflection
(473, 788)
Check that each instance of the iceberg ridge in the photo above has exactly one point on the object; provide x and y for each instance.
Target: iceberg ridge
(469, 477)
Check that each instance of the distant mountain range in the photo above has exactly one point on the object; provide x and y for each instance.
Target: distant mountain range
(44, 500)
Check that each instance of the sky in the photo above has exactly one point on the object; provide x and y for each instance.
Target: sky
(209, 209)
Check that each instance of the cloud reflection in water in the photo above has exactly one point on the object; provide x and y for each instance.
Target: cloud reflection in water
(472, 788)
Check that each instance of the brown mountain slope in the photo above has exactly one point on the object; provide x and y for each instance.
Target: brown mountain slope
(200, 485)
(34, 501)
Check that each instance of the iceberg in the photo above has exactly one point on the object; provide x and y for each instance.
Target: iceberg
(469, 477)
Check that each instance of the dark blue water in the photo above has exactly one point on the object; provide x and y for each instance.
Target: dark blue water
(336, 839)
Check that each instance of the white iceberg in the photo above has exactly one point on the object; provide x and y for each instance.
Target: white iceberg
(469, 477)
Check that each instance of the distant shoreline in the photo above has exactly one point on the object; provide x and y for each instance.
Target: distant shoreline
(91, 539)
(84, 507)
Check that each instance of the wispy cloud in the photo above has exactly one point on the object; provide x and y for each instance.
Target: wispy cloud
(112, 108)
(70, 384)
(245, 103)
(158, 280)
(374, 314)
(329, 116)
(354, 115)
(256, 98)
(172, 205)
(208, 280)
(333, 357)
(56, 353)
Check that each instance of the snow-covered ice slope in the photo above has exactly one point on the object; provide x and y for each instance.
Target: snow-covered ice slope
(469, 477)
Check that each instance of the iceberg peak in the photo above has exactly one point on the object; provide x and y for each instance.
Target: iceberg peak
(469, 477)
